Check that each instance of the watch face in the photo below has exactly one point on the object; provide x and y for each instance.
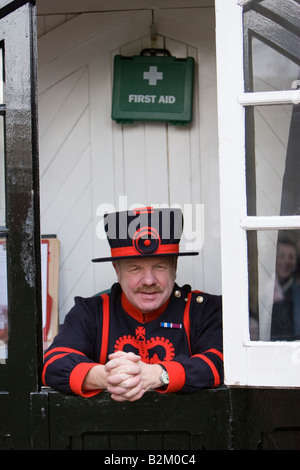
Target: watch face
(165, 377)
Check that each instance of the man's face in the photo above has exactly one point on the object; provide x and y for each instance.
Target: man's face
(285, 260)
(147, 282)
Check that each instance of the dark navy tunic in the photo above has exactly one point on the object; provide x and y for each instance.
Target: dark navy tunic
(185, 335)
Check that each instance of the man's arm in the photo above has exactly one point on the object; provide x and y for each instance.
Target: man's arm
(71, 355)
(95, 379)
(203, 367)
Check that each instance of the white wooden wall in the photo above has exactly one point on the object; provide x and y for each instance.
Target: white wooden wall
(87, 160)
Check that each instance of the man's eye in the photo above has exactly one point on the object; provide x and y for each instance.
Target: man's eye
(134, 269)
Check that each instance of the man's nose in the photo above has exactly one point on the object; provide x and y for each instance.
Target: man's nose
(149, 277)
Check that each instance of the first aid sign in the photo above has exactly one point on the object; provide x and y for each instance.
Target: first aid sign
(153, 88)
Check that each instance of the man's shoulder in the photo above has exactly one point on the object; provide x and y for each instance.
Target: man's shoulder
(196, 295)
(201, 299)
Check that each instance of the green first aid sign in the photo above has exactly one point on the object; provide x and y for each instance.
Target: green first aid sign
(153, 88)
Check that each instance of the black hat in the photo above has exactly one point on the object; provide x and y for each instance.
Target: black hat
(145, 232)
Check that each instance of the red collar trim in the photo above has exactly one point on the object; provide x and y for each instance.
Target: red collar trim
(138, 314)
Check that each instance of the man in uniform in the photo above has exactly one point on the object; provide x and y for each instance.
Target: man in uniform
(147, 333)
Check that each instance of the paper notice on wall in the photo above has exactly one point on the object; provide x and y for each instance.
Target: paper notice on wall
(3, 275)
(44, 264)
(49, 281)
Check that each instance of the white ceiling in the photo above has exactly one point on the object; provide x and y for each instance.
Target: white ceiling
(52, 7)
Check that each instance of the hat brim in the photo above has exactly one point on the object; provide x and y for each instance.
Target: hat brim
(153, 255)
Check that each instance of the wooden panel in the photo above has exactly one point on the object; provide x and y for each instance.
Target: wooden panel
(73, 33)
(65, 175)
(124, 28)
(74, 6)
(201, 421)
(90, 161)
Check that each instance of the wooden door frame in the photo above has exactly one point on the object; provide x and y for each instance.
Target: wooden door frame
(20, 374)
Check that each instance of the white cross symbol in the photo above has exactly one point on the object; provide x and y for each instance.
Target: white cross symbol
(153, 75)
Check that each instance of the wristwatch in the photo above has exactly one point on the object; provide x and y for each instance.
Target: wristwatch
(164, 378)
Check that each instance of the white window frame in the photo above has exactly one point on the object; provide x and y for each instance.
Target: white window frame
(247, 363)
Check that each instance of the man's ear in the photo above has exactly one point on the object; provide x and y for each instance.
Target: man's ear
(116, 268)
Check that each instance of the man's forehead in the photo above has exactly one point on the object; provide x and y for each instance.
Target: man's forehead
(150, 261)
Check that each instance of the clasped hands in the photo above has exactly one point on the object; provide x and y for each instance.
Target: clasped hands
(128, 377)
